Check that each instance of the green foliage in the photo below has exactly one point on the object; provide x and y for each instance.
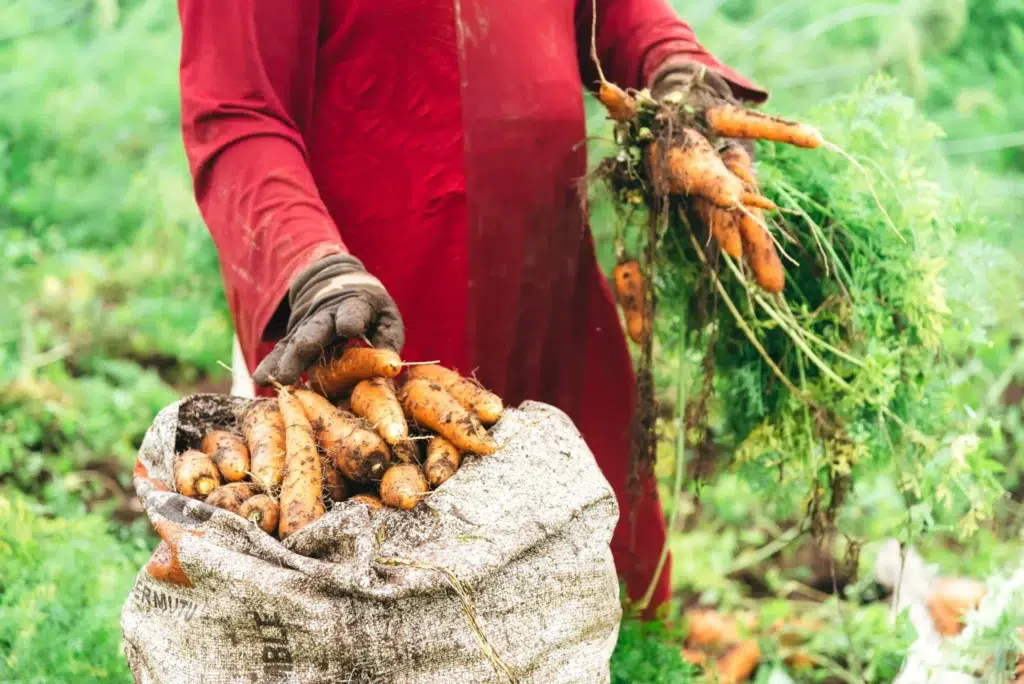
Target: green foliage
(64, 581)
(649, 652)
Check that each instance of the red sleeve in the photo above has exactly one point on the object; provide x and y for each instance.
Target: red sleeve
(247, 70)
(635, 37)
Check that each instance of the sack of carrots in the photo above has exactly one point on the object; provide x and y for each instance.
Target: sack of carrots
(386, 521)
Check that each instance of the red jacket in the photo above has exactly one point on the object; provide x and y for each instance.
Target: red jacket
(439, 142)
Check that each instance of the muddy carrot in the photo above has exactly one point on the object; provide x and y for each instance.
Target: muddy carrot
(760, 252)
(738, 161)
(620, 106)
(228, 453)
(487, 405)
(347, 369)
(723, 224)
(262, 510)
(442, 461)
(301, 489)
(195, 475)
(375, 400)
(731, 121)
(263, 429)
(403, 486)
(231, 496)
(629, 291)
(430, 406)
(691, 166)
(356, 450)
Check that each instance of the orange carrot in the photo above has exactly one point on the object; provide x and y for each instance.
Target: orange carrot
(356, 450)
(732, 121)
(692, 167)
(335, 486)
(375, 400)
(951, 600)
(487, 405)
(442, 461)
(709, 629)
(406, 451)
(231, 496)
(629, 290)
(194, 474)
(302, 499)
(228, 453)
(403, 486)
(344, 371)
(760, 251)
(739, 663)
(752, 199)
(694, 657)
(738, 161)
(263, 429)
(432, 407)
(620, 106)
(369, 500)
(723, 224)
(262, 510)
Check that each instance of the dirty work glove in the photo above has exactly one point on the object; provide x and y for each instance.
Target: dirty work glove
(697, 86)
(332, 301)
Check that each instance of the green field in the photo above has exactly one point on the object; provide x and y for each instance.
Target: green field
(111, 306)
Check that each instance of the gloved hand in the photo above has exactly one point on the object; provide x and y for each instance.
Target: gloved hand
(697, 86)
(333, 300)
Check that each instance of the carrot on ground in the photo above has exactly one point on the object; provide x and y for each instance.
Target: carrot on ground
(487, 405)
(302, 499)
(443, 460)
(370, 501)
(630, 292)
(692, 167)
(343, 372)
(738, 161)
(620, 106)
(760, 251)
(262, 510)
(732, 121)
(374, 399)
(195, 475)
(951, 600)
(356, 450)
(710, 629)
(228, 452)
(739, 663)
(431, 406)
(263, 429)
(231, 496)
(723, 224)
(403, 486)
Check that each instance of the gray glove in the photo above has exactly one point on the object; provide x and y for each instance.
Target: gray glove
(699, 86)
(332, 301)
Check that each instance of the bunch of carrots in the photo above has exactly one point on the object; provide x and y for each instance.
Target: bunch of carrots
(670, 149)
(351, 435)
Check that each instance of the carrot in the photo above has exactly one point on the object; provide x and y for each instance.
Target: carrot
(335, 486)
(302, 499)
(231, 496)
(752, 199)
(629, 290)
(487, 405)
(692, 167)
(229, 454)
(375, 400)
(372, 502)
(194, 474)
(406, 451)
(262, 510)
(442, 461)
(431, 406)
(356, 450)
(694, 657)
(723, 224)
(710, 629)
(344, 371)
(620, 106)
(950, 600)
(738, 161)
(263, 429)
(403, 486)
(760, 251)
(739, 663)
(731, 121)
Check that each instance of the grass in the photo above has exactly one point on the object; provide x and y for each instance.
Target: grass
(111, 306)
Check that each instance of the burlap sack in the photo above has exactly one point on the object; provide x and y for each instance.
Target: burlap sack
(503, 574)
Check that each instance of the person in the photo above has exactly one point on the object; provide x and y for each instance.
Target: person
(354, 159)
